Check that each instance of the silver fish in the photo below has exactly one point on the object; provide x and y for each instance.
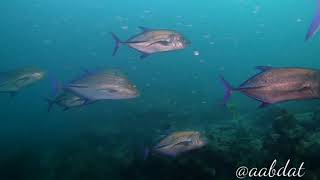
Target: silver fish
(152, 41)
(275, 85)
(13, 81)
(109, 84)
(180, 142)
(67, 100)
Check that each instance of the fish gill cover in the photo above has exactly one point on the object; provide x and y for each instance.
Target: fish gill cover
(169, 56)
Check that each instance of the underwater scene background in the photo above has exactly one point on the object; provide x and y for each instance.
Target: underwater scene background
(179, 91)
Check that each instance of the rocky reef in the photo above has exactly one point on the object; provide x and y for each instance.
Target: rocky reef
(254, 140)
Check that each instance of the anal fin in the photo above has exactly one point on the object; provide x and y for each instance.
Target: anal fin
(144, 55)
(264, 105)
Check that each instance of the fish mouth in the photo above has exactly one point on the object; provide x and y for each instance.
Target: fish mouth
(135, 94)
(38, 75)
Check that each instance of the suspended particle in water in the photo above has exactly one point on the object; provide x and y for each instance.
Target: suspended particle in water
(124, 27)
(206, 36)
(134, 68)
(94, 54)
(47, 42)
(256, 10)
(196, 53)
(202, 61)
(299, 20)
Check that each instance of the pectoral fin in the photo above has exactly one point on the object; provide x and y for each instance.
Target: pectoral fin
(164, 43)
(21, 81)
(184, 143)
(78, 85)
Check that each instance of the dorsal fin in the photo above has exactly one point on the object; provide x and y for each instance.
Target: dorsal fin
(144, 29)
(263, 68)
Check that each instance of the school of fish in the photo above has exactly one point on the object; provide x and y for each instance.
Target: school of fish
(270, 86)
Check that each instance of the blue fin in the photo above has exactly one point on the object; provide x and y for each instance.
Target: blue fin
(315, 25)
(50, 103)
(144, 55)
(227, 89)
(264, 68)
(144, 29)
(146, 153)
(264, 105)
(56, 87)
(117, 44)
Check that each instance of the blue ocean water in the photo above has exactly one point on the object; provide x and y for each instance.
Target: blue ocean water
(178, 89)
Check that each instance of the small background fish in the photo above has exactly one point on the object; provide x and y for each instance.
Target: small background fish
(13, 81)
(179, 142)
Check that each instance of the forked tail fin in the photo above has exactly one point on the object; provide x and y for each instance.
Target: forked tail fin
(50, 103)
(227, 89)
(117, 44)
(315, 25)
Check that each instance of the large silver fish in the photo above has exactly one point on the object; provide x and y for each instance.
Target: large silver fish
(180, 142)
(109, 84)
(13, 81)
(67, 100)
(152, 41)
(275, 85)
(315, 25)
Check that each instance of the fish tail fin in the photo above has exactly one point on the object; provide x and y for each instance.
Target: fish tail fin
(227, 89)
(50, 103)
(315, 25)
(56, 87)
(118, 42)
(146, 153)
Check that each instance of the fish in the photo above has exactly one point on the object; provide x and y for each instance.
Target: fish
(13, 81)
(103, 85)
(179, 142)
(67, 100)
(151, 41)
(275, 85)
(314, 27)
